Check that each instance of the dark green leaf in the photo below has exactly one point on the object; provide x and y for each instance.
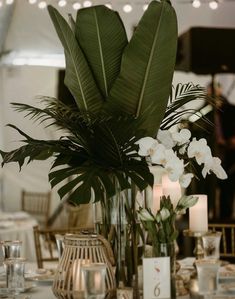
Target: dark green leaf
(102, 37)
(78, 78)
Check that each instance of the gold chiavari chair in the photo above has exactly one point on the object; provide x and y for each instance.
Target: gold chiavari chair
(45, 243)
(37, 204)
(227, 246)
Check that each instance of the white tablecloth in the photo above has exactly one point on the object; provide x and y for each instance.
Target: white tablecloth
(19, 226)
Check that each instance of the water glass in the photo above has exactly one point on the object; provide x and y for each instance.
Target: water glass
(94, 280)
(11, 249)
(207, 271)
(211, 245)
(59, 243)
(15, 268)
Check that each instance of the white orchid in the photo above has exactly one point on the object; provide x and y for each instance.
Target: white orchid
(181, 137)
(174, 168)
(214, 165)
(173, 151)
(147, 146)
(165, 137)
(159, 156)
(199, 150)
(185, 179)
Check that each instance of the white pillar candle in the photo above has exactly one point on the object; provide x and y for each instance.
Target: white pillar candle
(172, 189)
(157, 194)
(198, 215)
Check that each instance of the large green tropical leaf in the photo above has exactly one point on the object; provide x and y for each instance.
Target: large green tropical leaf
(95, 152)
(147, 66)
(78, 78)
(102, 37)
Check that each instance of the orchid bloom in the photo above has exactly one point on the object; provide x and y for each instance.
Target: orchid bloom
(214, 165)
(174, 168)
(147, 146)
(199, 150)
(185, 179)
(165, 137)
(181, 137)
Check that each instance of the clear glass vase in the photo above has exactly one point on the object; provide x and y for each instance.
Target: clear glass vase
(121, 228)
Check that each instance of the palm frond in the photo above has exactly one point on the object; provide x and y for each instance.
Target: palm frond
(179, 103)
(85, 161)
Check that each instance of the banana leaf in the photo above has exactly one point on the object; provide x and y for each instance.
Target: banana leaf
(147, 67)
(102, 37)
(78, 77)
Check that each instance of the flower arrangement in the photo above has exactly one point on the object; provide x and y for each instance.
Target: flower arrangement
(177, 153)
(161, 227)
(122, 93)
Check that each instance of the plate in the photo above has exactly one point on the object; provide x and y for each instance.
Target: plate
(228, 287)
(41, 275)
(28, 286)
(227, 272)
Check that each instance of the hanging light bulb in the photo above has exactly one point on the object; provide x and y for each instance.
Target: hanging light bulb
(145, 6)
(9, 2)
(108, 5)
(62, 3)
(32, 1)
(77, 6)
(213, 4)
(42, 4)
(196, 3)
(127, 8)
(87, 3)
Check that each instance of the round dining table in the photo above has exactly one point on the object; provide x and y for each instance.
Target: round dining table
(19, 226)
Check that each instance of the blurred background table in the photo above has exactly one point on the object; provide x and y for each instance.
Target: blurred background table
(19, 226)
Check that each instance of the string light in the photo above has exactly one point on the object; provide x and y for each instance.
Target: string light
(196, 3)
(42, 4)
(213, 4)
(77, 6)
(32, 1)
(145, 6)
(108, 5)
(9, 2)
(127, 8)
(87, 3)
(62, 3)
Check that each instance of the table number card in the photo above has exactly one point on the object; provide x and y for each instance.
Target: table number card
(156, 278)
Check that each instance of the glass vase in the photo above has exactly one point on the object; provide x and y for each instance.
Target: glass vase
(121, 227)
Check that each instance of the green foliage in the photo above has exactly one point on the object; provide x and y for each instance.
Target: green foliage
(79, 78)
(102, 37)
(132, 77)
(147, 66)
(121, 92)
(95, 150)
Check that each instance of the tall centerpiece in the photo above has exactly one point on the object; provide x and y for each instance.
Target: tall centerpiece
(122, 93)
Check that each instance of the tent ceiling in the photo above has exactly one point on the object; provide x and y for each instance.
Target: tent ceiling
(5, 18)
(30, 30)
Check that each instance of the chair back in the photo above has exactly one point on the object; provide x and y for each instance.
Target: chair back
(37, 204)
(227, 246)
(80, 215)
(47, 250)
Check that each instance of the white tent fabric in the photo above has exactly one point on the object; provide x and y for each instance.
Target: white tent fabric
(31, 34)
